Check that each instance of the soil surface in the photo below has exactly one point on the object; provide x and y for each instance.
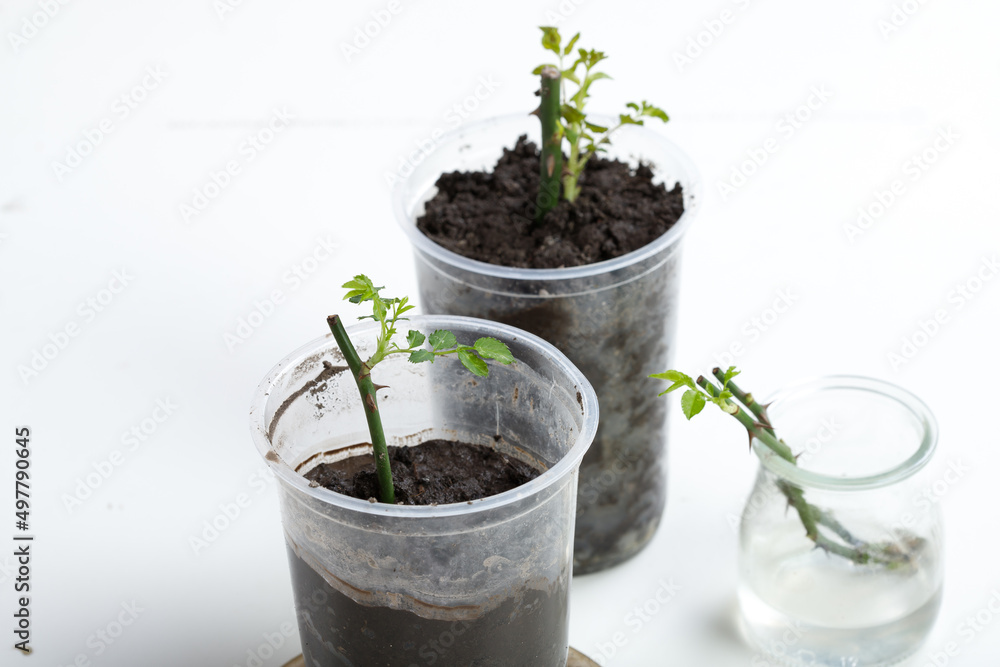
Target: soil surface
(489, 216)
(433, 472)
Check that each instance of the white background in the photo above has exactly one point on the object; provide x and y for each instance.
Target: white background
(190, 282)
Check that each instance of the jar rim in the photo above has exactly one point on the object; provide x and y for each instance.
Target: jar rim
(903, 470)
(689, 178)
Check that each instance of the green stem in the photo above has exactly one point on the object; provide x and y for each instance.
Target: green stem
(746, 398)
(811, 516)
(571, 189)
(362, 376)
(549, 111)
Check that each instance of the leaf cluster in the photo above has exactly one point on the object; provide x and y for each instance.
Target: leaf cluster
(587, 138)
(388, 312)
(694, 398)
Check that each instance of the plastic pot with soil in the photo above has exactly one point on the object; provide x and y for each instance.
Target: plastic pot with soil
(597, 277)
(467, 580)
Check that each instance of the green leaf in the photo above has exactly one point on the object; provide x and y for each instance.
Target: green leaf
(538, 70)
(625, 119)
(571, 75)
(673, 387)
(569, 47)
(692, 402)
(596, 76)
(421, 355)
(675, 376)
(654, 112)
(475, 365)
(360, 288)
(551, 39)
(592, 57)
(600, 129)
(633, 106)
(730, 373)
(491, 348)
(378, 309)
(414, 338)
(442, 340)
(571, 114)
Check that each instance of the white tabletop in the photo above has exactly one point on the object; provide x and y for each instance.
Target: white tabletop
(162, 98)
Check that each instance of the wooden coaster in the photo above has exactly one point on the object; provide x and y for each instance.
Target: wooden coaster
(576, 659)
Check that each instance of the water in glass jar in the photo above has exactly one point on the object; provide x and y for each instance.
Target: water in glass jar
(813, 609)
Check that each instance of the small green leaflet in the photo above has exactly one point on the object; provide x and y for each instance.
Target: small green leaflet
(421, 355)
(692, 402)
(730, 373)
(442, 340)
(491, 348)
(361, 289)
(414, 338)
(475, 365)
(572, 42)
(551, 39)
(679, 380)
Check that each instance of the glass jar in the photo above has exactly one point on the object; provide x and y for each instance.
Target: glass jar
(867, 590)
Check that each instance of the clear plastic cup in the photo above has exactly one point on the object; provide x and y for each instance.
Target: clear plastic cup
(615, 320)
(484, 582)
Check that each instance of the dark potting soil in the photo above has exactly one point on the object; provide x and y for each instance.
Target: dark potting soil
(433, 472)
(530, 627)
(488, 216)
